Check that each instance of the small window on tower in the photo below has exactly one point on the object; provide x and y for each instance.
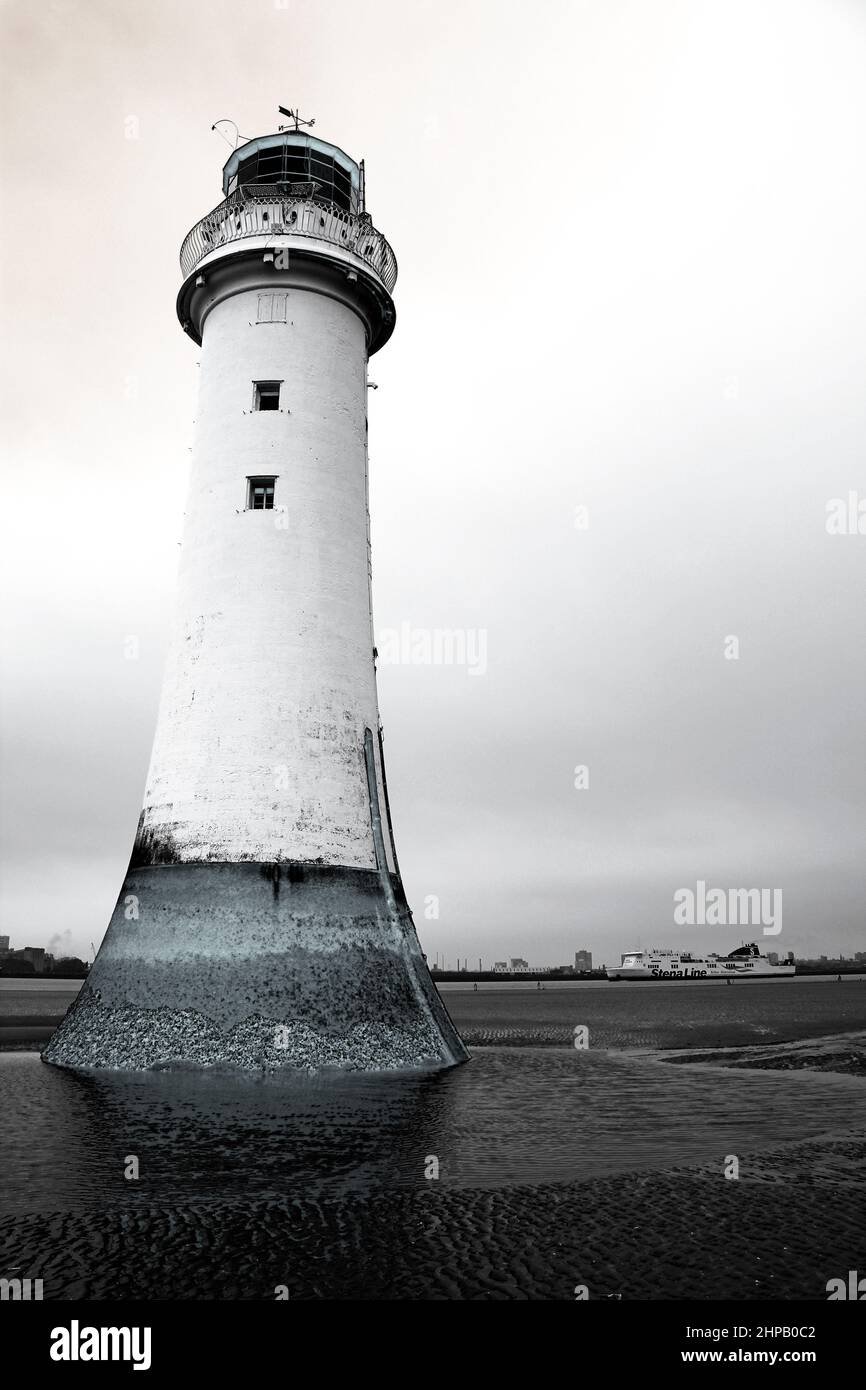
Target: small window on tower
(260, 495)
(266, 395)
(272, 308)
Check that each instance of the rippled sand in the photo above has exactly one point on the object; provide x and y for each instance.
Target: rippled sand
(793, 1220)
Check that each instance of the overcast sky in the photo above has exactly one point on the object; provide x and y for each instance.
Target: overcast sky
(632, 280)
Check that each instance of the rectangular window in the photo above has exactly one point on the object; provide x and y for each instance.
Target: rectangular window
(260, 494)
(272, 308)
(266, 395)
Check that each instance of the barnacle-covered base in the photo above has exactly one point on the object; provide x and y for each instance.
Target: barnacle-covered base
(258, 966)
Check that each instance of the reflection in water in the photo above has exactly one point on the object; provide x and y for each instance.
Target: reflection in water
(511, 1116)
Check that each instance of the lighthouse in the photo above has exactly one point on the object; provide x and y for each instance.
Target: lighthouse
(262, 922)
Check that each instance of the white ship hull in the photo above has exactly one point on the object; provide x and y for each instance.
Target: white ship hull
(744, 963)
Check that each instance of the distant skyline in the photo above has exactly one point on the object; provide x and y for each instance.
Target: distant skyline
(475, 963)
(613, 447)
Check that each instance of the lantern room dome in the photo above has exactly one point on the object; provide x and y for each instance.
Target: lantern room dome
(299, 163)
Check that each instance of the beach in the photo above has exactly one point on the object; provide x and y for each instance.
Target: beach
(535, 1170)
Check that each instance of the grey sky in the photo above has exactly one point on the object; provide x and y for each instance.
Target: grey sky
(630, 239)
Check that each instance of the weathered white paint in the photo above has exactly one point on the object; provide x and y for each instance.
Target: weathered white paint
(270, 681)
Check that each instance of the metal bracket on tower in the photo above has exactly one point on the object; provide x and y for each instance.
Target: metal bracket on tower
(376, 823)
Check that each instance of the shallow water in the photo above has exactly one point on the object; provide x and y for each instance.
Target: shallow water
(538, 1112)
(512, 1116)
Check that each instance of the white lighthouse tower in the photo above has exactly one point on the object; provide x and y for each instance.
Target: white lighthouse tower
(262, 921)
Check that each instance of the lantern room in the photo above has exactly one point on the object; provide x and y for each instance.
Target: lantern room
(302, 165)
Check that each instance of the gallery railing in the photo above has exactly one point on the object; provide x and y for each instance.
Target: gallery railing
(262, 210)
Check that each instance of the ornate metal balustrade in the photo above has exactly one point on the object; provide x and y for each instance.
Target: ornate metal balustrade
(263, 210)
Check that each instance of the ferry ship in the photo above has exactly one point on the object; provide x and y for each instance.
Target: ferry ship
(746, 962)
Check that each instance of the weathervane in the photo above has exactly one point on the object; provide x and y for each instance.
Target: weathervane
(294, 116)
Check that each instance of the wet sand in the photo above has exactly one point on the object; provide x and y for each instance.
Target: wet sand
(627, 1016)
(843, 1053)
(793, 1220)
(620, 1016)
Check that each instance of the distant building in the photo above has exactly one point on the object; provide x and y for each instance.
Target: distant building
(773, 957)
(30, 955)
(519, 965)
(4, 945)
(583, 960)
(791, 957)
(500, 967)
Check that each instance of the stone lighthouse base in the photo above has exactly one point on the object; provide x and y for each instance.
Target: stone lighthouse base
(258, 966)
